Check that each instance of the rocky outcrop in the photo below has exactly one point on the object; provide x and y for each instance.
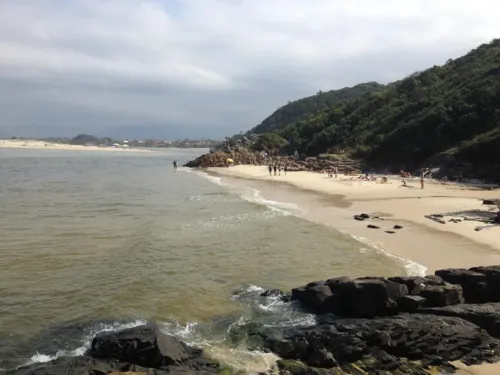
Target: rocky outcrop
(247, 157)
(405, 344)
(143, 349)
(397, 325)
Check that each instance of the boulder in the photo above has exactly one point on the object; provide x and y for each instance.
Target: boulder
(416, 284)
(474, 284)
(78, 365)
(411, 303)
(442, 295)
(367, 297)
(492, 274)
(146, 346)
(315, 298)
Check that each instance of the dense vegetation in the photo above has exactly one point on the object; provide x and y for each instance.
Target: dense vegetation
(445, 114)
(308, 107)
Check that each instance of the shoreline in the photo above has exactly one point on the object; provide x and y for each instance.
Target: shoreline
(41, 145)
(421, 240)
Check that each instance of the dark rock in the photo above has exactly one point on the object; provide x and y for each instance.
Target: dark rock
(272, 293)
(359, 218)
(146, 346)
(371, 226)
(474, 284)
(289, 367)
(398, 227)
(416, 284)
(390, 231)
(442, 295)
(384, 345)
(486, 316)
(367, 297)
(335, 282)
(315, 298)
(411, 303)
(364, 216)
(492, 274)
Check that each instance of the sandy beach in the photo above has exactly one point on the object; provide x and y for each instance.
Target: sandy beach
(429, 243)
(40, 145)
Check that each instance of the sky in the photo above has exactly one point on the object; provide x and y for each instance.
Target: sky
(210, 68)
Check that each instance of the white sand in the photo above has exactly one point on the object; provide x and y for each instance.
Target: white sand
(40, 145)
(421, 240)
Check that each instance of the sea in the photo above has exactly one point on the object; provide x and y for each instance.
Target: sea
(94, 241)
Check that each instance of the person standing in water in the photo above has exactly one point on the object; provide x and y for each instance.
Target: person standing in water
(175, 164)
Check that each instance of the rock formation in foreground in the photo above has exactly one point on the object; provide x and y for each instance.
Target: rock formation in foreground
(369, 325)
(142, 350)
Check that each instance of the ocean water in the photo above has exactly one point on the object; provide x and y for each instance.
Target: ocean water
(93, 241)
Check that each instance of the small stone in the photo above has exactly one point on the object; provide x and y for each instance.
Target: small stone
(390, 231)
(371, 226)
(398, 227)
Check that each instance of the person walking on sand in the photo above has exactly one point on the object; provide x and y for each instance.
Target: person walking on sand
(270, 170)
(336, 171)
(285, 169)
(275, 167)
(279, 169)
(422, 173)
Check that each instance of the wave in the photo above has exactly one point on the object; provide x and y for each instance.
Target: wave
(86, 340)
(412, 268)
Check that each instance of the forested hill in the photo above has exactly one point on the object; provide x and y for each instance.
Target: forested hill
(305, 108)
(445, 114)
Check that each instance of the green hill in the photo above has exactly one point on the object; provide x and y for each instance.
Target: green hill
(308, 107)
(444, 115)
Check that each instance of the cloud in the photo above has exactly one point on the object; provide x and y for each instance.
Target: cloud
(212, 64)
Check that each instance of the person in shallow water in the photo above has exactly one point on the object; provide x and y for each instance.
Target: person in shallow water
(175, 164)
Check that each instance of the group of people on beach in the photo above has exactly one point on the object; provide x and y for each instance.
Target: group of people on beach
(277, 168)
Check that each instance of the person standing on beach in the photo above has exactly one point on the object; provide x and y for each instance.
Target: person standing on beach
(336, 171)
(422, 173)
(270, 170)
(285, 169)
(279, 169)
(275, 167)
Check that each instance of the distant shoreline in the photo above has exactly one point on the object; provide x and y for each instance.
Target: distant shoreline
(41, 145)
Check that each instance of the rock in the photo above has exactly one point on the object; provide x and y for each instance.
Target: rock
(371, 226)
(385, 345)
(486, 316)
(474, 284)
(492, 274)
(416, 284)
(315, 297)
(390, 231)
(367, 297)
(272, 293)
(411, 303)
(442, 295)
(359, 218)
(398, 227)
(146, 346)
(364, 216)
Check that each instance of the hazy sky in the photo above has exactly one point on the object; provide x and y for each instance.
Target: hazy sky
(211, 67)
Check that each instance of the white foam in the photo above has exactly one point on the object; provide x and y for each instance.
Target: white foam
(41, 358)
(214, 179)
(412, 268)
